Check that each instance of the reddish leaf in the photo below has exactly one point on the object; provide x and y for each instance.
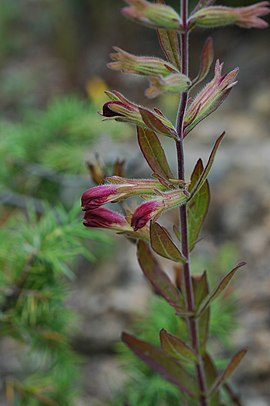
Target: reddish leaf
(162, 243)
(158, 279)
(235, 361)
(176, 348)
(156, 124)
(195, 176)
(197, 206)
(201, 290)
(169, 43)
(207, 58)
(162, 363)
(219, 289)
(208, 167)
(211, 374)
(154, 153)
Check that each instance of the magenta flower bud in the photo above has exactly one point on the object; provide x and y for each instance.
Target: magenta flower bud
(99, 195)
(152, 209)
(210, 98)
(105, 218)
(121, 109)
(119, 189)
(152, 14)
(246, 17)
(140, 65)
(174, 83)
(144, 213)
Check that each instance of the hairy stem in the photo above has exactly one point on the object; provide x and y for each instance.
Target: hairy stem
(193, 328)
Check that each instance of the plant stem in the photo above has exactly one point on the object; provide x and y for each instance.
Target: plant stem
(192, 323)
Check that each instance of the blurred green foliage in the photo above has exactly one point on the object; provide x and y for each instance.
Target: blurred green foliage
(50, 147)
(146, 388)
(35, 256)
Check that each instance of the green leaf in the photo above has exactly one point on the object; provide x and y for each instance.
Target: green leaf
(219, 289)
(162, 243)
(201, 290)
(208, 167)
(154, 153)
(157, 277)
(176, 348)
(235, 361)
(162, 363)
(211, 375)
(207, 58)
(169, 43)
(197, 206)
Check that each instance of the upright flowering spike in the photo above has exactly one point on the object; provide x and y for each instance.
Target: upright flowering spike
(152, 14)
(121, 109)
(174, 83)
(140, 65)
(105, 218)
(152, 209)
(122, 188)
(246, 17)
(210, 98)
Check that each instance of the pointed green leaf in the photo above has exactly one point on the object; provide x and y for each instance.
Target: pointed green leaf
(162, 243)
(208, 167)
(219, 289)
(211, 375)
(157, 277)
(176, 348)
(235, 361)
(195, 176)
(162, 363)
(154, 153)
(197, 206)
(169, 43)
(201, 290)
(207, 58)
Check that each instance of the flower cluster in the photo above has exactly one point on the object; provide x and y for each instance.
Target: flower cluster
(121, 188)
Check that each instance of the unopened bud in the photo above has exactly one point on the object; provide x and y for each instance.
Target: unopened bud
(119, 189)
(140, 65)
(152, 209)
(174, 83)
(246, 17)
(105, 218)
(210, 98)
(121, 109)
(152, 14)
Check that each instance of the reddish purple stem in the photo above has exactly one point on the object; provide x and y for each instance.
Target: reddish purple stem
(184, 37)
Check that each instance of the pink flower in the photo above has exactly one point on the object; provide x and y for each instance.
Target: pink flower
(105, 218)
(246, 17)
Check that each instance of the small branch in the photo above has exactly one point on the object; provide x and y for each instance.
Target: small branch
(234, 397)
(17, 289)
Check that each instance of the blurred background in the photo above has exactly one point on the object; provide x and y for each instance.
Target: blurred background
(66, 292)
